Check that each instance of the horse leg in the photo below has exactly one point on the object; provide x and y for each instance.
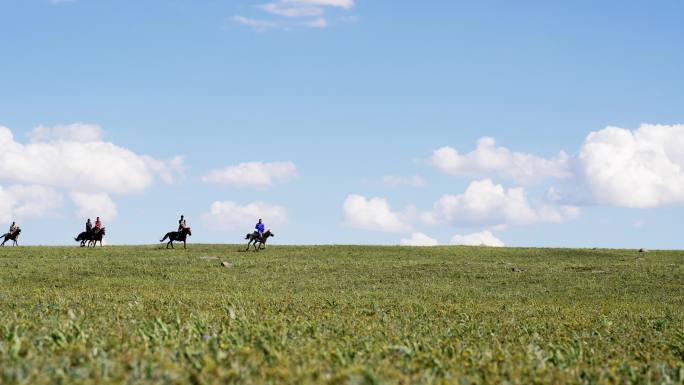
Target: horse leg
(248, 243)
(184, 245)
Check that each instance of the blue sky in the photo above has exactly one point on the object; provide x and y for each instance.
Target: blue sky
(353, 101)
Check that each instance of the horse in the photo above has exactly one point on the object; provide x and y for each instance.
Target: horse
(92, 237)
(83, 237)
(11, 237)
(176, 236)
(258, 239)
(97, 237)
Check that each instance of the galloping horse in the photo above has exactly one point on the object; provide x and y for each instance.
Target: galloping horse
(97, 237)
(175, 236)
(11, 237)
(92, 237)
(258, 239)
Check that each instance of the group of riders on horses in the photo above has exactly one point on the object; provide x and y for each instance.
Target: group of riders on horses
(94, 234)
(91, 235)
(258, 237)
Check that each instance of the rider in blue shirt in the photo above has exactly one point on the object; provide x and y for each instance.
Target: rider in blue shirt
(260, 227)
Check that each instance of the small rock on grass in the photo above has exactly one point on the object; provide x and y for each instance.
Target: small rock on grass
(517, 270)
(643, 250)
(226, 264)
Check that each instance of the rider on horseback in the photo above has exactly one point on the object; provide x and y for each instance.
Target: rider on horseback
(98, 225)
(13, 228)
(89, 226)
(13, 234)
(260, 228)
(178, 236)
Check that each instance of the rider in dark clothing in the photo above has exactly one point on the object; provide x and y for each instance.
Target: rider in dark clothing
(182, 224)
(89, 226)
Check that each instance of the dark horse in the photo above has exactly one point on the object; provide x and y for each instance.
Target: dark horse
(92, 237)
(11, 237)
(176, 236)
(258, 239)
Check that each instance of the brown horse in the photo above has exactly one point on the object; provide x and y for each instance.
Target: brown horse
(11, 237)
(175, 236)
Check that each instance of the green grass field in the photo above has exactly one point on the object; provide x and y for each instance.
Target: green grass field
(340, 314)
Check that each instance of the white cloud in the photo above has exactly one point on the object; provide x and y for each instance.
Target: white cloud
(229, 215)
(253, 174)
(57, 157)
(411, 181)
(487, 160)
(76, 132)
(615, 166)
(94, 205)
(346, 4)
(640, 169)
(20, 202)
(373, 214)
(292, 10)
(166, 170)
(280, 11)
(258, 24)
(320, 22)
(486, 203)
(419, 239)
(483, 238)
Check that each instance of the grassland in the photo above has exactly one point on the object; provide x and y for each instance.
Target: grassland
(340, 314)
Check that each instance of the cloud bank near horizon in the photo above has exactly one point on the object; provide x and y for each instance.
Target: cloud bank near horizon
(75, 158)
(618, 167)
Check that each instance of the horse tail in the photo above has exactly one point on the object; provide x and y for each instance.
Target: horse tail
(165, 236)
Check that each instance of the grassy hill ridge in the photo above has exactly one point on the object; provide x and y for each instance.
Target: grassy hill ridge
(340, 314)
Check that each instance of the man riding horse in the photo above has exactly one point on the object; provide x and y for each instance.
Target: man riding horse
(98, 225)
(178, 236)
(12, 235)
(260, 227)
(91, 235)
(259, 236)
(182, 224)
